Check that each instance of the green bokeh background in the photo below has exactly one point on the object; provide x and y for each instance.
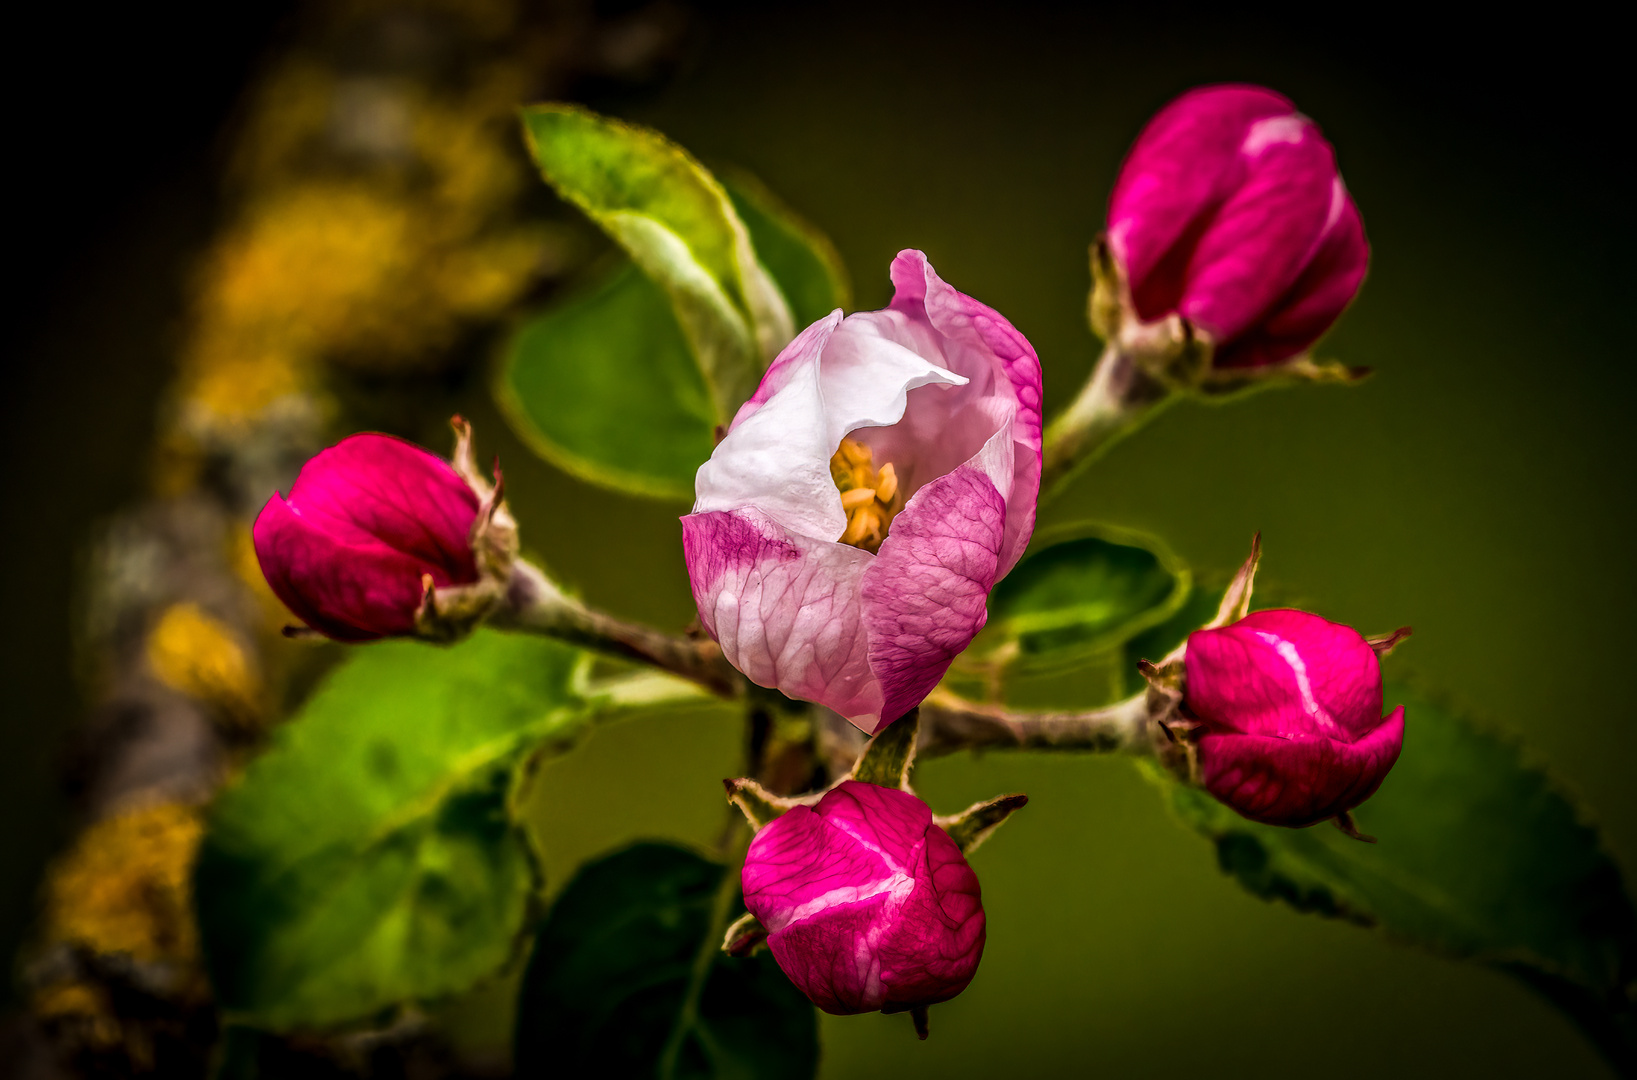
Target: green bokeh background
(1477, 488)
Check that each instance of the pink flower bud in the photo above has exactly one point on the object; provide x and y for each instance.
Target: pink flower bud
(363, 521)
(868, 904)
(1230, 212)
(1290, 706)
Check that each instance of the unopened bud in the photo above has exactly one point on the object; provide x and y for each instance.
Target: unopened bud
(867, 903)
(367, 526)
(1288, 709)
(1229, 212)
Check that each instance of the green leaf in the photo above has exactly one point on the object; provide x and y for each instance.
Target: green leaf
(801, 259)
(369, 858)
(603, 386)
(1481, 857)
(1081, 590)
(678, 225)
(628, 978)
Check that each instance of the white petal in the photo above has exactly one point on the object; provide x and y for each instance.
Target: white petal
(777, 459)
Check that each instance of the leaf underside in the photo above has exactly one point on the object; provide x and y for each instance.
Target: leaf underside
(368, 858)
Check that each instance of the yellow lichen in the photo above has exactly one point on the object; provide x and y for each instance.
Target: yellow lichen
(869, 496)
(190, 651)
(123, 886)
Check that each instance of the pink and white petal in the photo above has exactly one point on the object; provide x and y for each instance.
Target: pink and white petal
(925, 594)
(981, 344)
(1284, 673)
(834, 959)
(1342, 672)
(777, 458)
(803, 350)
(888, 821)
(798, 866)
(785, 608)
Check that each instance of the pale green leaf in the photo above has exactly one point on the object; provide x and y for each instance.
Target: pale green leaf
(679, 227)
(369, 857)
(602, 385)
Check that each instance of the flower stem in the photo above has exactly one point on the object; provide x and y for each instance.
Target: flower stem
(1118, 398)
(949, 723)
(534, 604)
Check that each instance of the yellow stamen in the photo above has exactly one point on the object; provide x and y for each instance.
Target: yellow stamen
(868, 496)
(887, 485)
(857, 498)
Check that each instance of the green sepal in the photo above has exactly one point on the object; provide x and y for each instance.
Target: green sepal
(889, 758)
(976, 823)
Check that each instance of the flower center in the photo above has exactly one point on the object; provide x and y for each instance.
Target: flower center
(868, 495)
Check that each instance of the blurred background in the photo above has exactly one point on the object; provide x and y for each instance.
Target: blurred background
(1478, 487)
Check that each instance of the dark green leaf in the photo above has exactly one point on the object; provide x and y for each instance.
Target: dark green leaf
(369, 857)
(677, 224)
(1480, 857)
(628, 979)
(1081, 590)
(801, 259)
(603, 386)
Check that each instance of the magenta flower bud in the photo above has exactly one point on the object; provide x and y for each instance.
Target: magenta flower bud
(850, 524)
(1290, 707)
(1230, 212)
(363, 522)
(868, 904)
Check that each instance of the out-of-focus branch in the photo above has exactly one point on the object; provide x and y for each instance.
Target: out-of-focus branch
(533, 603)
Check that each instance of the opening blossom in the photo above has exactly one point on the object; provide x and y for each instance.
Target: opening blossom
(868, 904)
(851, 523)
(1291, 711)
(365, 519)
(1229, 211)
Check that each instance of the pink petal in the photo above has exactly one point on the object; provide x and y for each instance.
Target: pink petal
(785, 608)
(802, 351)
(1264, 233)
(925, 595)
(1285, 673)
(1316, 300)
(352, 588)
(977, 339)
(1302, 781)
(395, 492)
(1181, 167)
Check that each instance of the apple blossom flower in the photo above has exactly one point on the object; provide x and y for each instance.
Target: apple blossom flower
(851, 523)
(364, 522)
(1230, 212)
(1290, 711)
(868, 904)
